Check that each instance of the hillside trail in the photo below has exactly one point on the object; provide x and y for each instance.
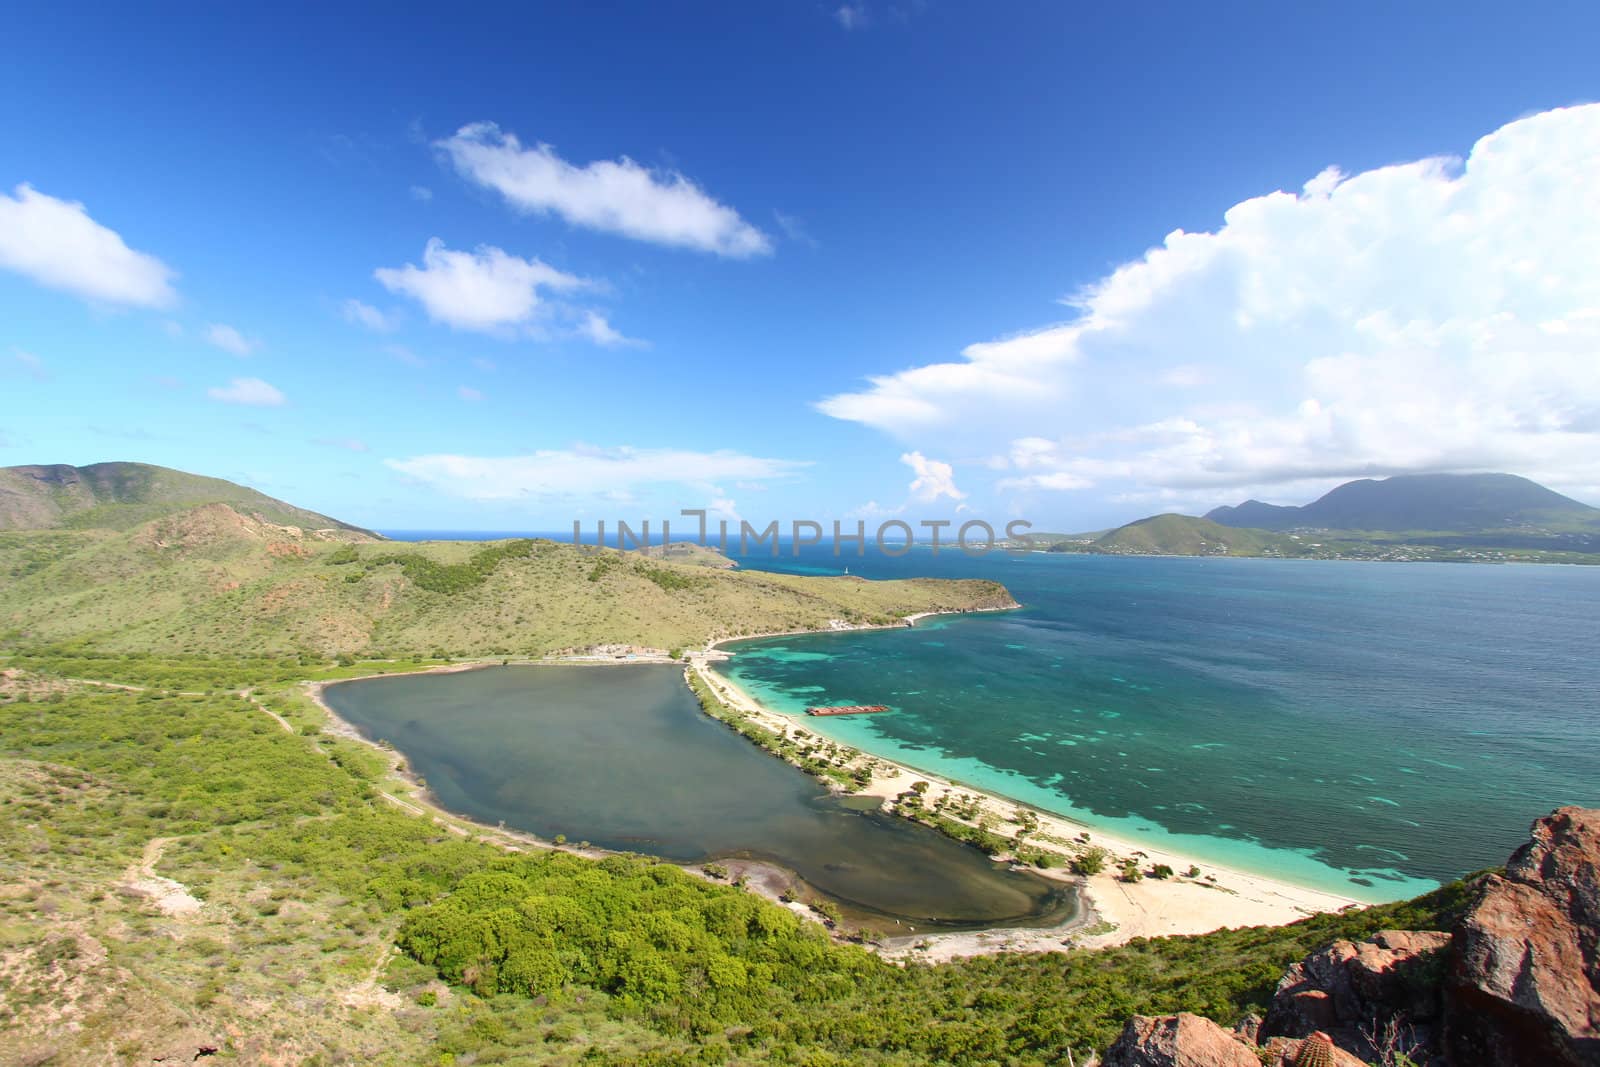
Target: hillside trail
(141, 878)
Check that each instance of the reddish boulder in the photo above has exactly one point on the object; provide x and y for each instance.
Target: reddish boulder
(1386, 985)
(1178, 1041)
(1524, 980)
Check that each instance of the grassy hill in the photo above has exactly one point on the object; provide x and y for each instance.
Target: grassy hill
(212, 580)
(1184, 535)
(119, 496)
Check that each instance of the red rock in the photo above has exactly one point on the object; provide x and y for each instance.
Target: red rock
(1349, 990)
(1524, 983)
(1178, 1041)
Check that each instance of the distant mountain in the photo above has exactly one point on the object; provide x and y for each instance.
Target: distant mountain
(1183, 535)
(119, 496)
(1454, 503)
(1485, 518)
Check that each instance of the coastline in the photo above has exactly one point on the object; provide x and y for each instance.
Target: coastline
(1221, 897)
(1112, 912)
(713, 648)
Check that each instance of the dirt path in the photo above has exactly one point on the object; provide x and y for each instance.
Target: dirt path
(281, 721)
(141, 878)
(369, 992)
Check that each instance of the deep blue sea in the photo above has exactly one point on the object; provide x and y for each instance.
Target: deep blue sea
(1372, 728)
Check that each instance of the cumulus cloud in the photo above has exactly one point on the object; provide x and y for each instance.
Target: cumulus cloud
(359, 314)
(595, 327)
(56, 243)
(1440, 315)
(614, 196)
(487, 290)
(588, 472)
(934, 478)
(252, 392)
(230, 340)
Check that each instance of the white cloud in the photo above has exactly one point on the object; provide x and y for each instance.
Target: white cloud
(488, 290)
(614, 196)
(466, 392)
(874, 510)
(589, 472)
(851, 16)
(1185, 376)
(934, 478)
(422, 193)
(595, 327)
(56, 243)
(230, 340)
(1442, 315)
(252, 392)
(359, 314)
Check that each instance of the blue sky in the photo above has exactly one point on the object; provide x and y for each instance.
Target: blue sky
(867, 260)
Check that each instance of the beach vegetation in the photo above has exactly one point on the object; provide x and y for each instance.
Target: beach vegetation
(1091, 861)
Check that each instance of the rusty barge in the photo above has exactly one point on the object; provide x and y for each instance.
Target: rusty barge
(849, 709)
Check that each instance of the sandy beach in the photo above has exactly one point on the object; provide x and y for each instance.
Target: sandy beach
(1221, 897)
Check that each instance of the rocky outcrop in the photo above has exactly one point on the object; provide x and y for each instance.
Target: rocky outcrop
(1515, 984)
(1178, 1041)
(1382, 991)
(1193, 1041)
(1524, 982)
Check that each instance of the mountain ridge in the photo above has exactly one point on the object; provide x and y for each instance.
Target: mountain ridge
(120, 495)
(1498, 518)
(1457, 503)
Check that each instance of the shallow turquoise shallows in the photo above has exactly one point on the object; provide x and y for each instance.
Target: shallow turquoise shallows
(1370, 728)
(623, 757)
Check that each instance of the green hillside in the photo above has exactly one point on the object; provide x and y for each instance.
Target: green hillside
(211, 580)
(119, 496)
(302, 874)
(1182, 535)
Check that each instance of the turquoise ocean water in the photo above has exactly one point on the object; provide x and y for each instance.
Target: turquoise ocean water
(1370, 728)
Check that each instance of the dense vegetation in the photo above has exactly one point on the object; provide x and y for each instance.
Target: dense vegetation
(308, 872)
(438, 577)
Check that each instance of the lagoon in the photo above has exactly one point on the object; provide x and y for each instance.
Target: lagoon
(623, 757)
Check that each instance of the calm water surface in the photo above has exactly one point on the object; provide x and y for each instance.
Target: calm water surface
(623, 757)
(1368, 727)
